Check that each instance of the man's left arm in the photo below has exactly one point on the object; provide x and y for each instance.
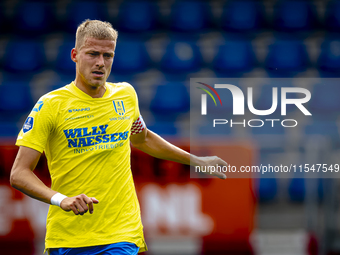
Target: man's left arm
(154, 145)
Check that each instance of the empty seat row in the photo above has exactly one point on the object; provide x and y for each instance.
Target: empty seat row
(38, 17)
(232, 56)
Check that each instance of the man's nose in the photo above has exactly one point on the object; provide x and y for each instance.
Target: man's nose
(100, 60)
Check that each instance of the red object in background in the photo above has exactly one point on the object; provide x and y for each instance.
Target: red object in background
(16, 233)
(221, 212)
(217, 212)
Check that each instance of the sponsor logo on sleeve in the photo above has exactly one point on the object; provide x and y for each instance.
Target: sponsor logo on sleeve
(38, 106)
(28, 125)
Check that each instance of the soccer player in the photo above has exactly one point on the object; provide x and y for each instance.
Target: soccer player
(85, 129)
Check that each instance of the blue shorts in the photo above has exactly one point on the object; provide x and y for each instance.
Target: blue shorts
(123, 248)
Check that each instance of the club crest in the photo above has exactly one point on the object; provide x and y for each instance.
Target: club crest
(119, 107)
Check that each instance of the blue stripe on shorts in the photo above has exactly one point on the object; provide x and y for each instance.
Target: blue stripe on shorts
(123, 248)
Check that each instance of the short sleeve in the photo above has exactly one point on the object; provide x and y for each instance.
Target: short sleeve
(136, 104)
(38, 126)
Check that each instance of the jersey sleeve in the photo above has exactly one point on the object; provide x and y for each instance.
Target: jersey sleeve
(138, 124)
(38, 126)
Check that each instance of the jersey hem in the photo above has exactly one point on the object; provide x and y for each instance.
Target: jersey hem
(141, 245)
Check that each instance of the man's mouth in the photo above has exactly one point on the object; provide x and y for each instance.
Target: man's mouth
(98, 73)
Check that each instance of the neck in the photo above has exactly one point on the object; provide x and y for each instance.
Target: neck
(92, 91)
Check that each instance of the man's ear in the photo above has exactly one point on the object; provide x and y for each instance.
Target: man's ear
(74, 55)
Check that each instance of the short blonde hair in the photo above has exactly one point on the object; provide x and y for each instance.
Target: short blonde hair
(96, 29)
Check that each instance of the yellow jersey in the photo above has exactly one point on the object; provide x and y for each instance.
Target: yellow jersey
(86, 142)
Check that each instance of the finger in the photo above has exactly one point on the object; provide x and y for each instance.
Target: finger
(220, 175)
(79, 207)
(96, 201)
(74, 209)
(89, 202)
(82, 203)
(222, 162)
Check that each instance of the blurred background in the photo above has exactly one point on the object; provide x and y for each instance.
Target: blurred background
(161, 45)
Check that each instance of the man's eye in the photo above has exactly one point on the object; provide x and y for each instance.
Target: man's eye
(93, 54)
(107, 56)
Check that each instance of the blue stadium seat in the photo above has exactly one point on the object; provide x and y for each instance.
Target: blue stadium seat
(63, 62)
(170, 100)
(297, 189)
(294, 15)
(164, 128)
(137, 16)
(267, 189)
(329, 59)
(287, 56)
(24, 56)
(332, 16)
(242, 15)
(9, 129)
(325, 103)
(323, 128)
(234, 56)
(34, 18)
(181, 56)
(219, 130)
(79, 11)
(189, 16)
(15, 100)
(130, 56)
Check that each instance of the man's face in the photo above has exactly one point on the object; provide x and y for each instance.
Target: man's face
(94, 61)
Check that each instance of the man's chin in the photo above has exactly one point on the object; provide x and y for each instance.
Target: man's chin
(97, 83)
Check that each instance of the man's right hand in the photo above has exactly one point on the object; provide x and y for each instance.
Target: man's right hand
(79, 204)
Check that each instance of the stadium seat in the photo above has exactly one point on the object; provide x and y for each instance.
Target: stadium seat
(78, 11)
(170, 100)
(24, 56)
(294, 15)
(323, 128)
(287, 57)
(63, 62)
(267, 189)
(329, 59)
(219, 130)
(15, 100)
(242, 15)
(8, 129)
(34, 18)
(130, 56)
(234, 57)
(180, 57)
(297, 189)
(189, 16)
(332, 16)
(137, 16)
(325, 103)
(164, 128)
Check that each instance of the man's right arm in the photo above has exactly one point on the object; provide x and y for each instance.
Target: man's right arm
(23, 179)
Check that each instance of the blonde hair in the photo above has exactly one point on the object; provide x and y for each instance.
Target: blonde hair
(96, 29)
